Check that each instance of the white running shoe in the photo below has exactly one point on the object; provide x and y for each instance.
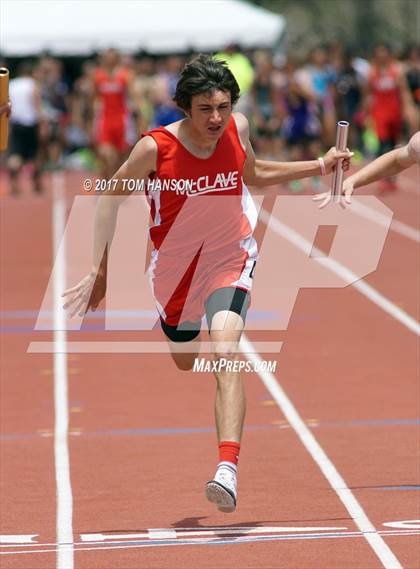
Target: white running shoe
(222, 489)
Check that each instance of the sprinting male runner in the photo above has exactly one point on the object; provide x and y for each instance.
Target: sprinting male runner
(389, 164)
(201, 229)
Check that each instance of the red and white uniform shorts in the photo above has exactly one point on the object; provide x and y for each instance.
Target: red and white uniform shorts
(181, 287)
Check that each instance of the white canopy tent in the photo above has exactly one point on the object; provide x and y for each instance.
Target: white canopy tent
(79, 27)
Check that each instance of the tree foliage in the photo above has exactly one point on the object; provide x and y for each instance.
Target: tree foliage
(359, 24)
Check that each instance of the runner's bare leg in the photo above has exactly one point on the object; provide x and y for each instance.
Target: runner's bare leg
(184, 353)
(225, 333)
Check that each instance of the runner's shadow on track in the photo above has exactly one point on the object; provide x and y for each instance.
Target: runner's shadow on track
(195, 522)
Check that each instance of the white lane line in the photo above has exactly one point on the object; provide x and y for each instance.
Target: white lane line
(404, 524)
(384, 553)
(162, 533)
(193, 532)
(139, 347)
(343, 272)
(368, 213)
(21, 539)
(64, 513)
(211, 541)
(396, 226)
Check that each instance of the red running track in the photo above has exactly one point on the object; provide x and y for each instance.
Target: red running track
(142, 442)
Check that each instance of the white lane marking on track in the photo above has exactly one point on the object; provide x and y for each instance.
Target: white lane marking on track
(367, 290)
(205, 541)
(192, 532)
(64, 512)
(145, 347)
(368, 213)
(159, 534)
(405, 524)
(23, 539)
(384, 553)
(396, 226)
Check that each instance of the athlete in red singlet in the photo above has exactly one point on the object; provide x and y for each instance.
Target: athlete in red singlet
(196, 171)
(387, 90)
(220, 223)
(111, 87)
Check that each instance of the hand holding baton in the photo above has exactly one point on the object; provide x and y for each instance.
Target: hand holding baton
(341, 145)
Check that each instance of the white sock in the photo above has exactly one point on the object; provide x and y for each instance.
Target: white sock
(227, 464)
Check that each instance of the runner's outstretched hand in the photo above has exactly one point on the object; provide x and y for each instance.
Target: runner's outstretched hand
(88, 293)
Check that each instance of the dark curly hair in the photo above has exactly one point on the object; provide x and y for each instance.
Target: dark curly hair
(202, 75)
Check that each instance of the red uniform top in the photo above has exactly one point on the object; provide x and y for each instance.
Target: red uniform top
(199, 202)
(386, 96)
(202, 222)
(111, 90)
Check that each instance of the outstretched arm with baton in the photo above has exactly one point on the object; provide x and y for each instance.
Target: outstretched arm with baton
(389, 164)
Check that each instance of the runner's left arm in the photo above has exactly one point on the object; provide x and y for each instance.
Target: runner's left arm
(262, 173)
(389, 164)
(269, 172)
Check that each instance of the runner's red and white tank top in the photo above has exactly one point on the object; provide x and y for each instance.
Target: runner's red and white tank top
(200, 204)
(112, 92)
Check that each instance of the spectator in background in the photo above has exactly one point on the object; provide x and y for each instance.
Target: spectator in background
(54, 101)
(78, 132)
(112, 84)
(143, 86)
(321, 78)
(242, 70)
(25, 98)
(411, 67)
(301, 127)
(387, 95)
(165, 109)
(348, 101)
(266, 111)
(128, 63)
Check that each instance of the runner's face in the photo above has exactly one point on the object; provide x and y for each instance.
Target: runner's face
(210, 113)
(382, 54)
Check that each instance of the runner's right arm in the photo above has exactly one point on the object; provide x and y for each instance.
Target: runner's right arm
(139, 165)
(89, 292)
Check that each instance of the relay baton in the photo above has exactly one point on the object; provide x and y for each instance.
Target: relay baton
(4, 98)
(341, 145)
